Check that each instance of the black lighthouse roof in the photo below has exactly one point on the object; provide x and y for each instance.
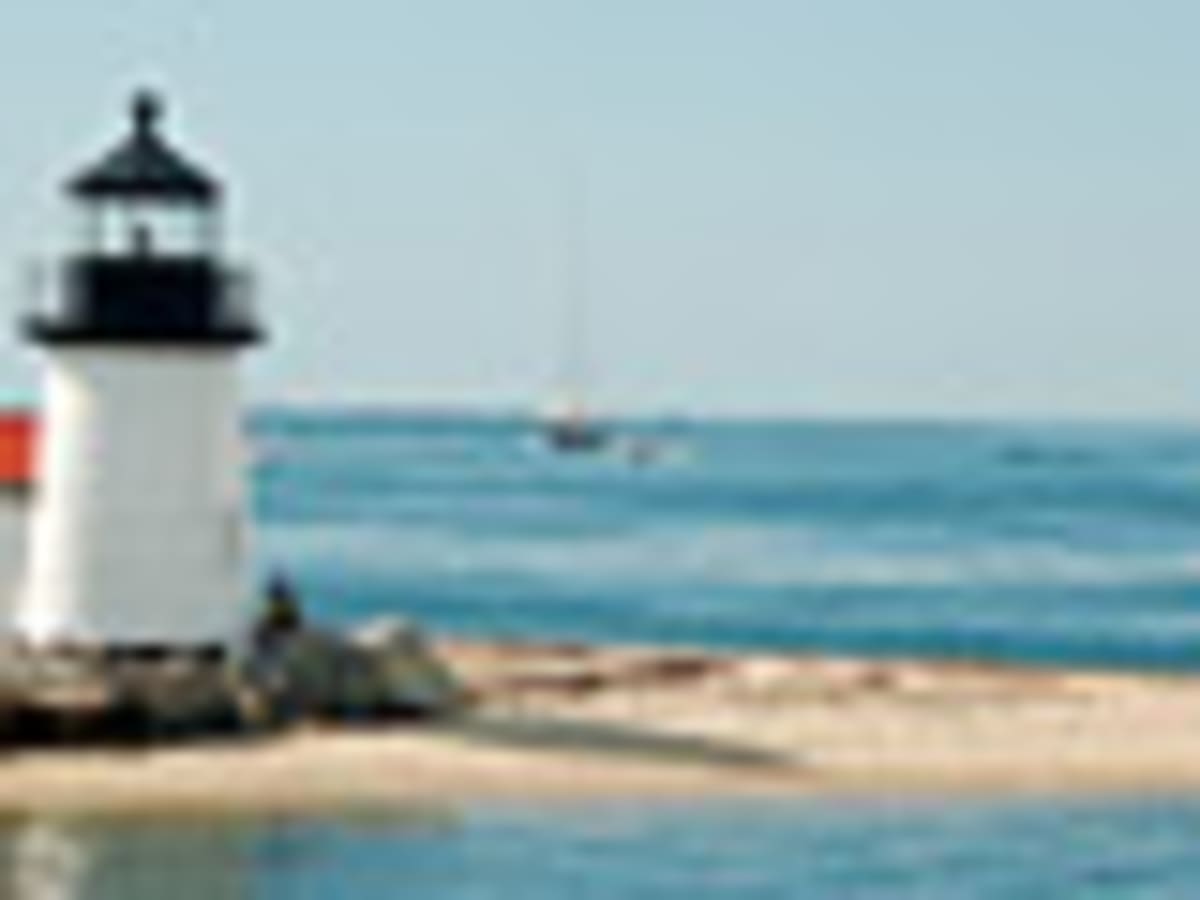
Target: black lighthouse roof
(144, 166)
(148, 276)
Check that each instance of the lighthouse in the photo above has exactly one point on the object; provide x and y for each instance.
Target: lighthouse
(139, 527)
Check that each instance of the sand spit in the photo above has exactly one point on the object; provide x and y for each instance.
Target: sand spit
(568, 722)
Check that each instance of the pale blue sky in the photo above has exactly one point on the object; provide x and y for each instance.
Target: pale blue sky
(811, 206)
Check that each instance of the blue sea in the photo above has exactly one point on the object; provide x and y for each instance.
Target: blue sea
(1053, 544)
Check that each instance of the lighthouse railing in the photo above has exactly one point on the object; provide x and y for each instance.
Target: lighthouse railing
(167, 298)
(238, 306)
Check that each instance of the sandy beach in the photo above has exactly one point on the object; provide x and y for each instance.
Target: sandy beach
(566, 722)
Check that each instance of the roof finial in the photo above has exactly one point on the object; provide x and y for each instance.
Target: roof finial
(147, 110)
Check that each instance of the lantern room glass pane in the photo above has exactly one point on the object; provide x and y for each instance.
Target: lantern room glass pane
(152, 229)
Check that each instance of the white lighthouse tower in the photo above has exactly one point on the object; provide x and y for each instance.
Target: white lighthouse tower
(138, 537)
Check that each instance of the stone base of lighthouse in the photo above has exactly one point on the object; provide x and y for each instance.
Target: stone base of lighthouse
(78, 696)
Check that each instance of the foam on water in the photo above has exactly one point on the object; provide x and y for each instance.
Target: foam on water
(716, 556)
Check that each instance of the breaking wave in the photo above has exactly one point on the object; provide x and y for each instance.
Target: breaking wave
(717, 557)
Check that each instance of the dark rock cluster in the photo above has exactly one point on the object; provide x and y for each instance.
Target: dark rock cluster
(291, 674)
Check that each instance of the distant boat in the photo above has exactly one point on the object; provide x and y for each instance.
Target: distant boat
(570, 427)
(575, 435)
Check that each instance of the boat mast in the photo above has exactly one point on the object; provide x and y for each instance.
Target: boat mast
(574, 364)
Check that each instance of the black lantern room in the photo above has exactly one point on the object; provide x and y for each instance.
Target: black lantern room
(150, 270)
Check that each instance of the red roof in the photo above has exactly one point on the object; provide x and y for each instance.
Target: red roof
(18, 441)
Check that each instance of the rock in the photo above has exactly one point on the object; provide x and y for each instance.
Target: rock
(52, 697)
(180, 696)
(313, 673)
(382, 671)
(64, 696)
(411, 678)
(291, 674)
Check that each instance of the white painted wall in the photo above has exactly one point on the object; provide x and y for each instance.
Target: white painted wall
(138, 532)
(14, 527)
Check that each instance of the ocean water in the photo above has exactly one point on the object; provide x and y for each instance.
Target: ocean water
(1053, 544)
(1057, 544)
(929, 849)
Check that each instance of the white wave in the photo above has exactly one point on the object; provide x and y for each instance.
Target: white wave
(715, 557)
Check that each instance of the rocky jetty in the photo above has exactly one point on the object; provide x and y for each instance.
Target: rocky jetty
(292, 674)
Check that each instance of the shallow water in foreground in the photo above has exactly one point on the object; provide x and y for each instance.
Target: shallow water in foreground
(930, 849)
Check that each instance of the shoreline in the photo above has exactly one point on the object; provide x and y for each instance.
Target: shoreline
(558, 722)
